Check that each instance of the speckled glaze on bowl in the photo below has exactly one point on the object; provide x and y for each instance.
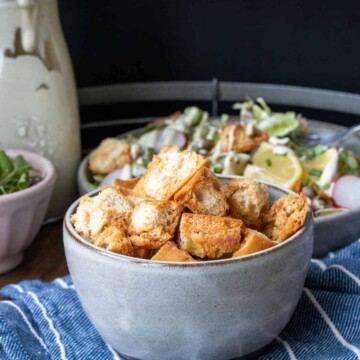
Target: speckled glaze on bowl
(220, 309)
(329, 235)
(22, 213)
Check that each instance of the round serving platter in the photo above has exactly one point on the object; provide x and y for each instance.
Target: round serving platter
(331, 232)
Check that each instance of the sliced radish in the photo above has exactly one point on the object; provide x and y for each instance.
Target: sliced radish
(170, 136)
(346, 192)
(124, 173)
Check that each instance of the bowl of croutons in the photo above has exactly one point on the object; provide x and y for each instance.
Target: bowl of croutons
(183, 264)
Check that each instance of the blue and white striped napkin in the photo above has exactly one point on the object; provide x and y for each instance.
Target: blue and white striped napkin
(46, 320)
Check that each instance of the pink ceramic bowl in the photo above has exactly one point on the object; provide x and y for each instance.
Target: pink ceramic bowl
(22, 213)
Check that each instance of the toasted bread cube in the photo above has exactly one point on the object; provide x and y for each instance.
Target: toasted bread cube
(129, 194)
(110, 155)
(154, 222)
(168, 172)
(114, 239)
(248, 200)
(114, 201)
(286, 216)
(207, 236)
(125, 184)
(203, 195)
(81, 218)
(233, 137)
(170, 252)
(95, 213)
(253, 242)
(141, 253)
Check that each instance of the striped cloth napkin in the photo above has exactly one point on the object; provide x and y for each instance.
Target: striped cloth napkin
(46, 320)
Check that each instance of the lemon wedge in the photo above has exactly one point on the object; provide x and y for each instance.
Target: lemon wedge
(284, 170)
(322, 168)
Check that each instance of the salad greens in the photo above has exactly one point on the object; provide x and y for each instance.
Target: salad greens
(153, 126)
(95, 180)
(307, 153)
(15, 174)
(348, 164)
(276, 124)
(195, 115)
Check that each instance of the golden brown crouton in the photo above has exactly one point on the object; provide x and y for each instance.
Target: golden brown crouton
(114, 239)
(170, 252)
(141, 253)
(203, 195)
(286, 217)
(168, 172)
(233, 137)
(95, 213)
(154, 222)
(207, 236)
(81, 218)
(110, 155)
(253, 241)
(125, 184)
(248, 200)
(129, 194)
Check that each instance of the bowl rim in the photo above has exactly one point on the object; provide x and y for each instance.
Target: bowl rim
(69, 229)
(46, 167)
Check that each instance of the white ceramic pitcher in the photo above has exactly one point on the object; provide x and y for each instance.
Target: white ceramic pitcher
(38, 103)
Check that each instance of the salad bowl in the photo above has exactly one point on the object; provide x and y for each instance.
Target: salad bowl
(331, 231)
(217, 309)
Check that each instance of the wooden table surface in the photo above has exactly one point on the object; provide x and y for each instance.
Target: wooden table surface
(44, 259)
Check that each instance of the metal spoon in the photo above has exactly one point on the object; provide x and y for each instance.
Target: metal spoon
(313, 138)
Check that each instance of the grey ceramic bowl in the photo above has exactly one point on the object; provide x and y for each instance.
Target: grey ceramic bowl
(221, 309)
(329, 236)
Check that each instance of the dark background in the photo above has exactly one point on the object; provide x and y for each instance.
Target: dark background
(306, 43)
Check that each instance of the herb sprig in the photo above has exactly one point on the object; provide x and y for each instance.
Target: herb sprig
(15, 174)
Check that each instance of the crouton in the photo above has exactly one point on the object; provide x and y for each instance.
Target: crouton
(110, 155)
(168, 172)
(203, 195)
(81, 219)
(253, 241)
(248, 200)
(129, 194)
(170, 252)
(113, 238)
(95, 213)
(154, 222)
(233, 137)
(207, 236)
(141, 253)
(125, 184)
(286, 216)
